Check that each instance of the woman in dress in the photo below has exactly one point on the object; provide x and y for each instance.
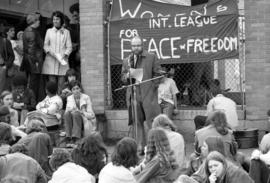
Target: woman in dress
(57, 46)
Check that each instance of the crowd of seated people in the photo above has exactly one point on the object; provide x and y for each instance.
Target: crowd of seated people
(164, 160)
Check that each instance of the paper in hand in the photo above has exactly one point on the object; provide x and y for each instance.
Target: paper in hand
(136, 74)
(60, 59)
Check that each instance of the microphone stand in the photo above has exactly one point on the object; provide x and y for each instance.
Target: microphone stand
(134, 100)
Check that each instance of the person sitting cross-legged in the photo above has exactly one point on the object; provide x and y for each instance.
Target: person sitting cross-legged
(79, 116)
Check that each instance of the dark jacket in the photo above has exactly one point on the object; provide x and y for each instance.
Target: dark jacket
(28, 98)
(147, 92)
(6, 52)
(33, 51)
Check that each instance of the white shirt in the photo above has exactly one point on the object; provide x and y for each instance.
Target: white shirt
(220, 102)
(71, 173)
(166, 91)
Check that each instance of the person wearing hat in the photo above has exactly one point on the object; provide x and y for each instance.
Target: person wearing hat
(167, 91)
(32, 53)
(23, 97)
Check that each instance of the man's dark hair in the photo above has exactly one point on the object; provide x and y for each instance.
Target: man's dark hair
(75, 83)
(74, 7)
(70, 72)
(125, 153)
(60, 15)
(52, 87)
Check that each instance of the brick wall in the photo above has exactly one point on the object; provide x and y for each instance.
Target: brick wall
(257, 15)
(92, 52)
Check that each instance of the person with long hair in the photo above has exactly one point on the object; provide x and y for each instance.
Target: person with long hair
(218, 170)
(91, 153)
(216, 126)
(176, 140)
(123, 158)
(160, 163)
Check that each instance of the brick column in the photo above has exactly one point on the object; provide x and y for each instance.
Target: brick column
(92, 52)
(257, 15)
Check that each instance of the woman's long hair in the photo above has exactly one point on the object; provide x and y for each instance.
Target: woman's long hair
(91, 153)
(158, 144)
(214, 155)
(163, 121)
(219, 121)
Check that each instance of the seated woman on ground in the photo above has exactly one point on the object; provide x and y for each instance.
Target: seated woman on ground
(176, 140)
(160, 163)
(6, 99)
(91, 153)
(260, 160)
(79, 116)
(24, 98)
(38, 143)
(70, 76)
(219, 170)
(66, 170)
(123, 158)
(49, 109)
(217, 126)
(213, 143)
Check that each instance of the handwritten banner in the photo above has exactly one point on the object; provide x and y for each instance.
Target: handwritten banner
(176, 34)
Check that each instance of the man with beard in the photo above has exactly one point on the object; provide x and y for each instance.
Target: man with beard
(146, 93)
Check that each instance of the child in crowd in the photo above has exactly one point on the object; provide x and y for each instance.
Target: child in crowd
(79, 114)
(6, 99)
(24, 98)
